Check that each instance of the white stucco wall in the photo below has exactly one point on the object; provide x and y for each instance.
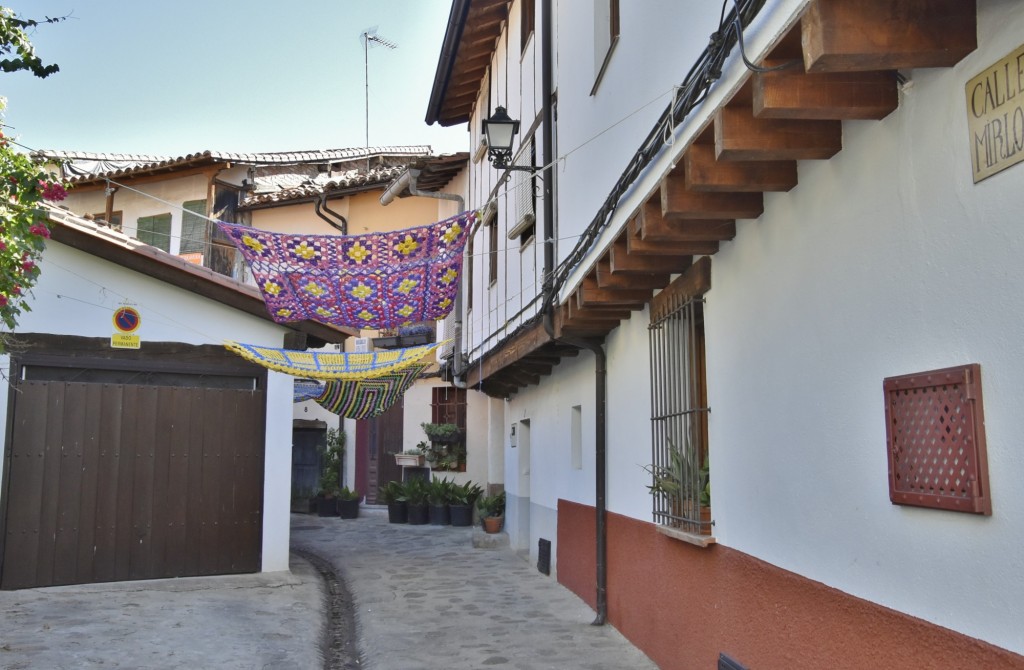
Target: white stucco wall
(77, 294)
(884, 260)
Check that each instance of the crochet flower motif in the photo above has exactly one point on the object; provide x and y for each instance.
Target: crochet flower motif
(323, 312)
(314, 289)
(284, 312)
(361, 291)
(407, 286)
(407, 246)
(449, 276)
(407, 310)
(365, 315)
(358, 253)
(271, 287)
(253, 244)
(303, 249)
(444, 303)
(452, 233)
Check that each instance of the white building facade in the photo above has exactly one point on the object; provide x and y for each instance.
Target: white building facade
(827, 224)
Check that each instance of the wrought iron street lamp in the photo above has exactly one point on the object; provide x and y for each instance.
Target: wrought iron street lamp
(500, 131)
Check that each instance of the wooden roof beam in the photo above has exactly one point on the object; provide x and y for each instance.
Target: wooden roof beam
(741, 136)
(843, 36)
(607, 279)
(653, 227)
(624, 262)
(677, 201)
(705, 173)
(793, 94)
(590, 294)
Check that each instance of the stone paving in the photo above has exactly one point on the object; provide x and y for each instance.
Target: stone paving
(425, 599)
(271, 620)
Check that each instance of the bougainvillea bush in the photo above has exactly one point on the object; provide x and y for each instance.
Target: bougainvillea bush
(23, 225)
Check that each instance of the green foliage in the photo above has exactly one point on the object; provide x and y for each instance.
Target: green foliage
(416, 491)
(441, 431)
(331, 459)
(466, 494)
(492, 505)
(392, 492)
(14, 41)
(439, 491)
(23, 186)
(681, 479)
(345, 493)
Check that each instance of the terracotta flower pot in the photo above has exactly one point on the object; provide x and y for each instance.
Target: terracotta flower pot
(493, 524)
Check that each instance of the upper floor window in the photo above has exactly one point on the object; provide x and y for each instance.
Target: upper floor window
(527, 17)
(523, 220)
(606, 35)
(193, 227)
(155, 230)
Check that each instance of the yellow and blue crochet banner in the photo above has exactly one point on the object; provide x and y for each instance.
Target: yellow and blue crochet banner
(332, 365)
(376, 280)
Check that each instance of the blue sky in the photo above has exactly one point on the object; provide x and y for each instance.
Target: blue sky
(171, 77)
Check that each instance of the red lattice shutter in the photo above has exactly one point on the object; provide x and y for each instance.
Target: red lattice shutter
(935, 432)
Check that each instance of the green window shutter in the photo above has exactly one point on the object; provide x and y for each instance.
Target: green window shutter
(193, 227)
(155, 231)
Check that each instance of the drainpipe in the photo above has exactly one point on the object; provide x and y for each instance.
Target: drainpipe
(407, 180)
(600, 360)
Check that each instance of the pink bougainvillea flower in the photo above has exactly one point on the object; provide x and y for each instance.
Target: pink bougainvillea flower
(3, 301)
(52, 191)
(28, 265)
(39, 229)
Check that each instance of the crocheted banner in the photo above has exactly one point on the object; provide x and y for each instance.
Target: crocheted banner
(332, 365)
(306, 389)
(377, 280)
(368, 398)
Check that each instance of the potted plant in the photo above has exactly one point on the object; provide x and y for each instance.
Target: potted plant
(348, 503)
(461, 503)
(410, 458)
(416, 497)
(330, 473)
(445, 433)
(393, 495)
(438, 496)
(492, 511)
(415, 334)
(685, 487)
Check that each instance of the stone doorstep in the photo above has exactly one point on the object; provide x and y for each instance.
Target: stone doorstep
(482, 540)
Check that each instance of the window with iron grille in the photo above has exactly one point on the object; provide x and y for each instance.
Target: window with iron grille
(680, 477)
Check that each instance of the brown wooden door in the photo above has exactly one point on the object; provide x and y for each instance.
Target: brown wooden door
(111, 482)
(384, 441)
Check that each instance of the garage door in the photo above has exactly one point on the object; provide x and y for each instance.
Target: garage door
(110, 481)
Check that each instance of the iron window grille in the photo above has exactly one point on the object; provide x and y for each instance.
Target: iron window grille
(679, 473)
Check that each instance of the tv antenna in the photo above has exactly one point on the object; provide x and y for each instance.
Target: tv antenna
(369, 37)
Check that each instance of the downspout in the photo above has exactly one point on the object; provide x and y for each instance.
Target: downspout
(407, 180)
(600, 360)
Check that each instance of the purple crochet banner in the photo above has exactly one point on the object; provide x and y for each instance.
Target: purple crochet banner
(377, 280)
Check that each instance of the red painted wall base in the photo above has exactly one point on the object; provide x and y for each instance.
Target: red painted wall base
(683, 605)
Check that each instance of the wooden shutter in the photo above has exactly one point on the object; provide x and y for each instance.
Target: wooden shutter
(193, 227)
(155, 230)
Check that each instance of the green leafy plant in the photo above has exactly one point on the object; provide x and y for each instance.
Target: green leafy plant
(392, 492)
(681, 479)
(465, 494)
(416, 491)
(440, 432)
(331, 458)
(492, 505)
(345, 493)
(439, 491)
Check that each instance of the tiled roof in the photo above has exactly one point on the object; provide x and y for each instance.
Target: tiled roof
(83, 167)
(313, 186)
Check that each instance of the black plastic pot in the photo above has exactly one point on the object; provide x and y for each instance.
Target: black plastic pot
(326, 507)
(398, 512)
(418, 515)
(348, 509)
(462, 515)
(439, 515)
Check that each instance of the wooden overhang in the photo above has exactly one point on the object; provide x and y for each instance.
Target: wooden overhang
(474, 27)
(102, 242)
(841, 60)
